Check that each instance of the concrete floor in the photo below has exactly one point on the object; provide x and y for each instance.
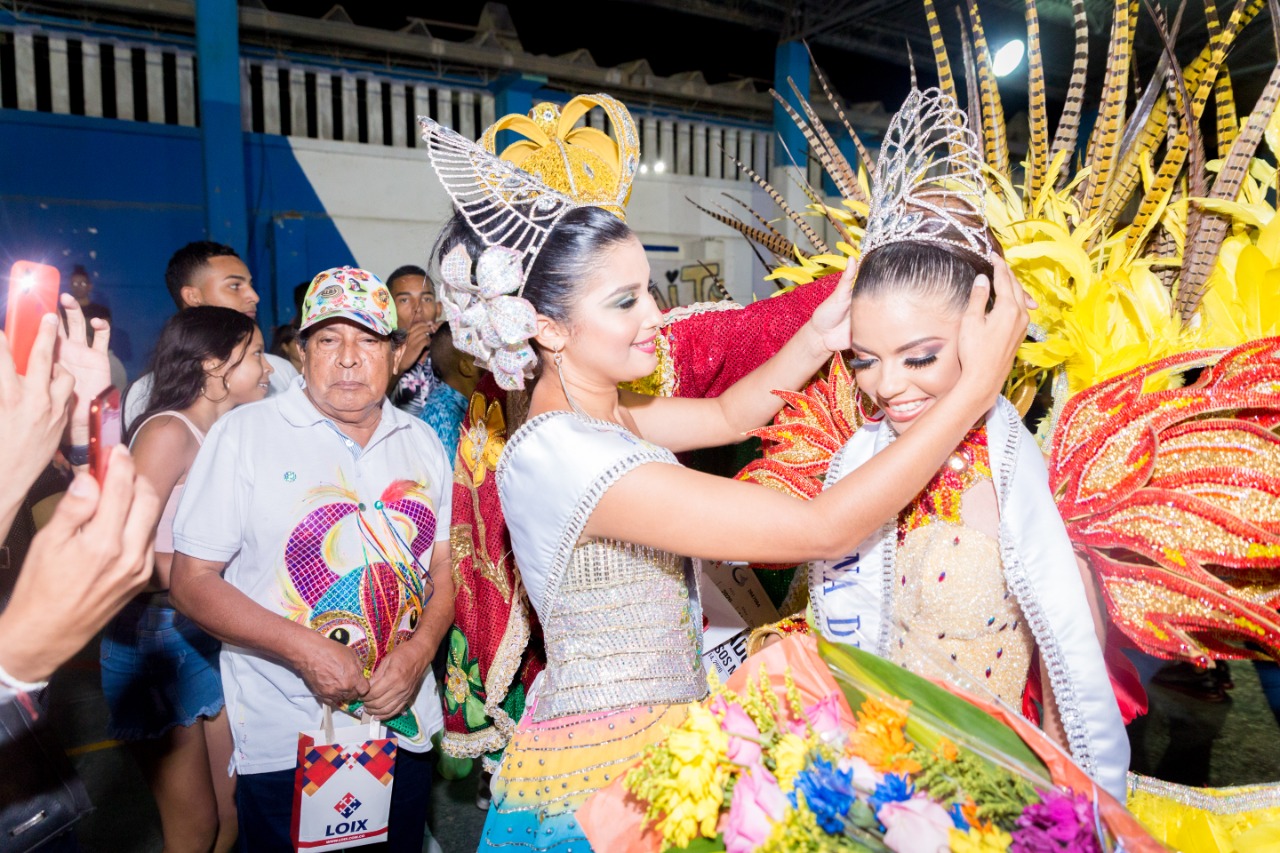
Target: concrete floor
(1182, 739)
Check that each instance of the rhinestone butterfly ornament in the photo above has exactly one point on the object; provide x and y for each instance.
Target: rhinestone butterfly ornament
(928, 183)
(487, 321)
(512, 212)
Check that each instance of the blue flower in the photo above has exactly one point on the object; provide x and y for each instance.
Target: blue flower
(958, 818)
(828, 792)
(893, 789)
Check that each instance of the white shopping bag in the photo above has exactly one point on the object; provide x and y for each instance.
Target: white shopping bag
(342, 785)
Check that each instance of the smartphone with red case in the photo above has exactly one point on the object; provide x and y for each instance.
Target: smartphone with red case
(105, 430)
(33, 292)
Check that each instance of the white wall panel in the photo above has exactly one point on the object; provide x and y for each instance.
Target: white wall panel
(186, 89)
(350, 109)
(444, 108)
(91, 59)
(270, 98)
(124, 81)
(297, 101)
(389, 209)
(373, 110)
(400, 127)
(59, 78)
(24, 56)
(467, 114)
(324, 105)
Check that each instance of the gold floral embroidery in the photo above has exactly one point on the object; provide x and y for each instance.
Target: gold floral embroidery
(482, 441)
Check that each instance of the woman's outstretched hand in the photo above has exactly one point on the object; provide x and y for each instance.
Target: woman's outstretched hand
(831, 318)
(988, 340)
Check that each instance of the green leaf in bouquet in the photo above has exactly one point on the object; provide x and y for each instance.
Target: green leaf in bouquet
(935, 712)
(701, 845)
(862, 816)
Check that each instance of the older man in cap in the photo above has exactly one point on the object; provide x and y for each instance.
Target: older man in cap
(313, 540)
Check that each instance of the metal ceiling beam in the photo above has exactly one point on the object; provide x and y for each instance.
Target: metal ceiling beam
(772, 16)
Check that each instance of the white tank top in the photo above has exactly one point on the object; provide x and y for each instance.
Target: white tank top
(164, 529)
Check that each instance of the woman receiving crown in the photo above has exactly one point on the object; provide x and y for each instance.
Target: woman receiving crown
(976, 578)
(602, 517)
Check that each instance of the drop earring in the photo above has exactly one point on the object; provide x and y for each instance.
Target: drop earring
(558, 359)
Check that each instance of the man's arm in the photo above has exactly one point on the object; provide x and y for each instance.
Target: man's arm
(331, 670)
(396, 682)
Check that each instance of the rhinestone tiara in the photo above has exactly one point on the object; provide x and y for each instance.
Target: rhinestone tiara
(928, 183)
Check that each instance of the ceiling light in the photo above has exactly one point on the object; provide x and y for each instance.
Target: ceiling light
(659, 167)
(1008, 58)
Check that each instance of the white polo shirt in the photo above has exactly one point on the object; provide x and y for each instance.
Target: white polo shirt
(319, 530)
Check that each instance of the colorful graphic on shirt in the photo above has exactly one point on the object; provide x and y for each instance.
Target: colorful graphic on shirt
(354, 572)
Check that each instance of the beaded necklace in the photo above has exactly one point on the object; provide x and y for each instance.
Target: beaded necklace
(940, 500)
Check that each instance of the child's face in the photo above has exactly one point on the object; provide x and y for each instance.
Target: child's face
(905, 353)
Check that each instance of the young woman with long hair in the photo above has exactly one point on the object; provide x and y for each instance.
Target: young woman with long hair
(159, 671)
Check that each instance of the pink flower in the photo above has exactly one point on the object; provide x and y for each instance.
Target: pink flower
(865, 778)
(917, 825)
(744, 737)
(757, 804)
(824, 716)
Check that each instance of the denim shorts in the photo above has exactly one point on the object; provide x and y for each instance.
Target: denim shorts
(159, 670)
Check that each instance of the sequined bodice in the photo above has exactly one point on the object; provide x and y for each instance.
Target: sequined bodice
(622, 628)
(950, 592)
(956, 614)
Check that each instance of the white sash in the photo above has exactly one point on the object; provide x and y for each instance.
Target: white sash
(851, 597)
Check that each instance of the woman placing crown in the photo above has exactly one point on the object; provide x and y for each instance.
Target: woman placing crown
(602, 518)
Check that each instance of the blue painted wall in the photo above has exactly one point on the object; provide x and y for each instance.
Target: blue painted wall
(291, 235)
(119, 197)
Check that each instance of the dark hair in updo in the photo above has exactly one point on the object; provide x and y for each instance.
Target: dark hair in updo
(938, 272)
(569, 255)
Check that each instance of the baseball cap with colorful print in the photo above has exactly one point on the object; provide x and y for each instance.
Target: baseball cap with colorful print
(355, 294)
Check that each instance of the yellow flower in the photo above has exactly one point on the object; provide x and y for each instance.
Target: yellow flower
(790, 755)
(991, 840)
(799, 831)
(693, 792)
(483, 439)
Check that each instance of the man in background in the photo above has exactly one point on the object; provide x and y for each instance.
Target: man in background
(81, 286)
(207, 273)
(418, 315)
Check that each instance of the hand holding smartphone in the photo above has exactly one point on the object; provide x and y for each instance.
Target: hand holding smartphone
(105, 430)
(33, 292)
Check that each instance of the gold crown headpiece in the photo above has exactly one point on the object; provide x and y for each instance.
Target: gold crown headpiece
(512, 211)
(583, 163)
(928, 183)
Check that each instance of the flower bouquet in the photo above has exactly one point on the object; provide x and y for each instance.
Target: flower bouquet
(812, 747)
